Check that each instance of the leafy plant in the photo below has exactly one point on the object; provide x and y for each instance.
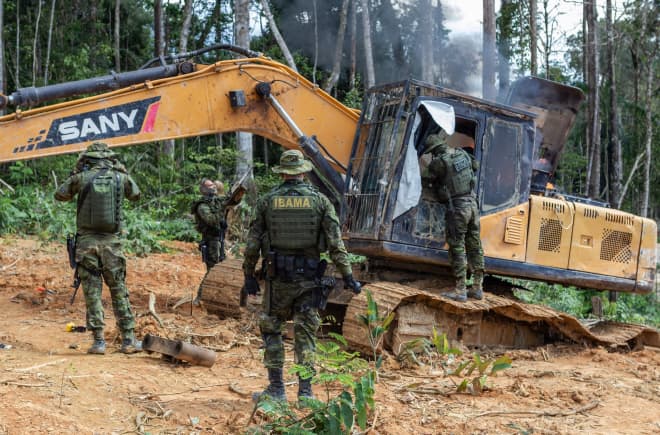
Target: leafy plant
(337, 414)
(477, 383)
(377, 325)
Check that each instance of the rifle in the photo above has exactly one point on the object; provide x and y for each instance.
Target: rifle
(221, 237)
(71, 250)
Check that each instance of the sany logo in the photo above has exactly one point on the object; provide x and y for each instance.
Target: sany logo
(115, 121)
(75, 129)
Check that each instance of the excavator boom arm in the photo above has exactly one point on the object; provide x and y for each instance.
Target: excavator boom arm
(217, 98)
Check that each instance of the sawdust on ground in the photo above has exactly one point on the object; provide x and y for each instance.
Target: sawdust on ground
(48, 384)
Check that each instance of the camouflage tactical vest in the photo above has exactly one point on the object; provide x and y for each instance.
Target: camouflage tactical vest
(215, 204)
(460, 175)
(99, 201)
(294, 220)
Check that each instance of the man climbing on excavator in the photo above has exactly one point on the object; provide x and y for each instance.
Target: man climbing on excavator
(453, 171)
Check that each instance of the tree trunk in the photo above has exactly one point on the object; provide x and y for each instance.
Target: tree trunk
(341, 34)
(504, 48)
(167, 147)
(278, 36)
(50, 38)
(353, 71)
(488, 73)
(316, 40)
(158, 28)
(242, 39)
(185, 27)
(213, 20)
(368, 47)
(426, 27)
(533, 35)
(547, 45)
(117, 36)
(18, 44)
(614, 146)
(35, 57)
(593, 128)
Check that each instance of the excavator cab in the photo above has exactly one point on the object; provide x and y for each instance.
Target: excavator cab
(391, 213)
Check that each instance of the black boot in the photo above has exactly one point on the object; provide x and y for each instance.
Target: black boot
(275, 390)
(305, 388)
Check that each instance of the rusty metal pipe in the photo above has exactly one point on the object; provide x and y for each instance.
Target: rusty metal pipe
(180, 350)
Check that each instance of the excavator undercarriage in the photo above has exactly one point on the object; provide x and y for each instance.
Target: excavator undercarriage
(496, 320)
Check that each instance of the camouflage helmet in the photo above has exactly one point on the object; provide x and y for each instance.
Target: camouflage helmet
(292, 162)
(208, 187)
(98, 150)
(436, 142)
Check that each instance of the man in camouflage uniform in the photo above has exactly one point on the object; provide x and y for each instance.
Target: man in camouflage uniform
(453, 171)
(101, 182)
(210, 221)
(293, 224)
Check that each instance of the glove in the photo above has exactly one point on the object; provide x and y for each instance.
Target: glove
(350, 282)
(251, 286)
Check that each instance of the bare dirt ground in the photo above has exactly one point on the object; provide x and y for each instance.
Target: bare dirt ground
(48, 384)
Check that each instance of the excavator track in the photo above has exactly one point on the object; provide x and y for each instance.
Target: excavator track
(221, 290)
(493, 321)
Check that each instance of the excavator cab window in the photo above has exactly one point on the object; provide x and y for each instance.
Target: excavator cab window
(500, 165)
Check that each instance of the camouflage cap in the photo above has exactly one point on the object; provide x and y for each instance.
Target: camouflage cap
(98, 150)
(435, 142)
(293, 162)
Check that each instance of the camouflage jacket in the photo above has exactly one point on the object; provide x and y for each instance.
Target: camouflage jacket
(209, 214)
(257, 240)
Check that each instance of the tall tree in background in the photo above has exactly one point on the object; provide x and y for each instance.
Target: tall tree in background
(278, 36)
(368, 47)
(50, 38)
(159, 32)
(533, 37)
(185, 26)
(242, 39)
(35, 46)
(339, 48)
(504, 36)
(488, 73)
(615, 158)
(593, 98)
(117, 36)
(353, 32)
(650, 18)
(426, 28)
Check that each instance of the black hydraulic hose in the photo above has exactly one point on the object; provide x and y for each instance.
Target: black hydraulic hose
(228, 47)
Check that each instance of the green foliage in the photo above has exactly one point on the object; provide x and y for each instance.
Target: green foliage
(631, 308)
(377, 325)
(337, 414)
(477, 372)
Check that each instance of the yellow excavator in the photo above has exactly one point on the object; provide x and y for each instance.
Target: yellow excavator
(370, 163)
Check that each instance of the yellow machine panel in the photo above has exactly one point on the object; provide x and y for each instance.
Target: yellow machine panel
(504, 234)
(605, 241)
(647, 253)
(550, 229)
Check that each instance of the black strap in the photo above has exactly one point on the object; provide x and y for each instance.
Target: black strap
(85, 191)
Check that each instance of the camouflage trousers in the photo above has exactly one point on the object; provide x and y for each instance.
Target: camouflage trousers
(214, 253)
(289, 299)
(463, 238)
(100, 258)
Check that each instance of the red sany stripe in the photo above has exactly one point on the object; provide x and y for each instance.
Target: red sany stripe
(151, 118)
